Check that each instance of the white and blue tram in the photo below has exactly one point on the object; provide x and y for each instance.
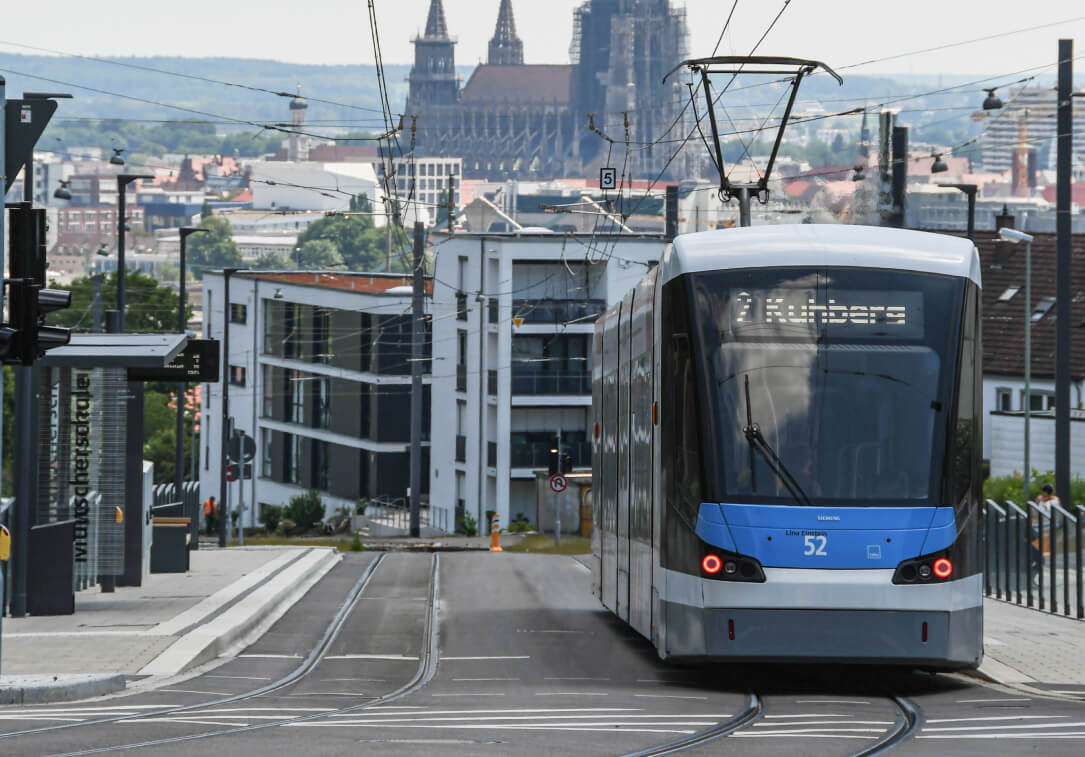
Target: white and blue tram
(786, 460)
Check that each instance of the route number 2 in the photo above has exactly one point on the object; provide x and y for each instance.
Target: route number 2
(815, 545)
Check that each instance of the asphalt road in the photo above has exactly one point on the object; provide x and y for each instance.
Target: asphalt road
(474, 654)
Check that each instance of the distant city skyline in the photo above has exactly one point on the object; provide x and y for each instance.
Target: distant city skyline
(839, 32)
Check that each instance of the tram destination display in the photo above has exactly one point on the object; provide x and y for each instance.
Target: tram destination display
(845, 313)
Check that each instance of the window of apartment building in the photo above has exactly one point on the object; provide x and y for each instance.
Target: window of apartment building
(461, 348)
(322, 393)
(296, 390)
(238, 312)
(320, 465)
(322, 335)
(293, 467)
(1003, 400)
(440, 169)
(1039, 400)
(266, 447)
(237, 375)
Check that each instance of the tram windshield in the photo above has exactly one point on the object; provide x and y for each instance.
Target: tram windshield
(848, 375)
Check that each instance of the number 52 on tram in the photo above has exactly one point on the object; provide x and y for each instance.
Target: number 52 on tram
(786, 460)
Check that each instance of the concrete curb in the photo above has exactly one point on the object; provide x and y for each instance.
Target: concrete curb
(38, 689)
(270, 601)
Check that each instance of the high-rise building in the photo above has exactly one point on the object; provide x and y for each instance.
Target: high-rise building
(1038, 107)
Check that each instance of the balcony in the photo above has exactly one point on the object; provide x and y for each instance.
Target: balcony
(558, 311)
(537, 455)
(551, 383)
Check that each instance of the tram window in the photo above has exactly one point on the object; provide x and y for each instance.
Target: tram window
(853, 403)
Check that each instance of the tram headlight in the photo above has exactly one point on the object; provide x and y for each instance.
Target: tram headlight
(924, 571)
(730, 567)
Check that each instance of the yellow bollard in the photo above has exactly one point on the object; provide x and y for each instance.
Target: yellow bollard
(495, 542)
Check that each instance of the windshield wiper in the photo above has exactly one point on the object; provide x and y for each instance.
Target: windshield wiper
(757, 442)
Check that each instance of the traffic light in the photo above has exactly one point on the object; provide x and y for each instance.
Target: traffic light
(566, 463)
(231, 472)
(26, 337)
(555, 461)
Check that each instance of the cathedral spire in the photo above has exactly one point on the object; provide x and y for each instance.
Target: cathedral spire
(436, 27)
(506, 49)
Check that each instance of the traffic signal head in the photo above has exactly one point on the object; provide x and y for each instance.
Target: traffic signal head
(48, 337)
(9, 344)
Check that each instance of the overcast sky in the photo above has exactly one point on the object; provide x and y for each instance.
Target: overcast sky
(840, 32)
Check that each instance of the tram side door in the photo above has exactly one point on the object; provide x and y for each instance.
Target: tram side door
(624, 469)
(607, 485)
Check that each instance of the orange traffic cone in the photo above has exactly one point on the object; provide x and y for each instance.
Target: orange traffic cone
(495, 543)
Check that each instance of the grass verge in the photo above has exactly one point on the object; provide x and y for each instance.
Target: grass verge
(544, 545)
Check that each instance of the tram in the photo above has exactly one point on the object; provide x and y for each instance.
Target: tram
(786, 449)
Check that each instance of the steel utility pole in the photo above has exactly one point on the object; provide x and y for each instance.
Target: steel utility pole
(418, 334)
(1063, 229)
(182, 322)
(3, 275)
(123, 180)
(224, 485)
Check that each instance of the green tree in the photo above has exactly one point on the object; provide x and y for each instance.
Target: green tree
(215, 249)
(274, 261)
(149, 306)
(361, 245)
(320, 254)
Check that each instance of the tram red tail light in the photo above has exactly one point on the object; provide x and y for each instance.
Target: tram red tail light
(711, 564)
(943, 568)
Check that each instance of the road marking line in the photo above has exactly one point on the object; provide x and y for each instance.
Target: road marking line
(980, 701)
(485, 679)
(368, 680)
(667, 696)
(808, 715)
(268, 657)
(496, 712)
(826, 730)
(830, 701)
(471, 694)
(406, 717)
(193, 691)
(46, 717)
(832, 724)
(1073, 735)
(241, 678)
(89, 710)
(496, 657)
(789, 735)
(571, 727)
(371, 657)
(217, 711)
(574, 678)
(185, 722)
(1004, 727)
(571, 694)
(996, 717)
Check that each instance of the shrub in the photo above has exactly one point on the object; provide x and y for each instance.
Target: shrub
(520, 524)
(356, 544)
(363, 503)
(1012, 487)
(468, 525)
(270, 517)
(306, 510)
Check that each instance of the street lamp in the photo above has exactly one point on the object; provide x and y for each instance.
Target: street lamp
(123, 180)
(939, 165)
(1014, 237)
(62, 192)
(116, 158)
(970, 191)
(992, 101)
(178, 475)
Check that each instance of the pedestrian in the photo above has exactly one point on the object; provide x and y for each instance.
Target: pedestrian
(1047, 498)
(209, 515)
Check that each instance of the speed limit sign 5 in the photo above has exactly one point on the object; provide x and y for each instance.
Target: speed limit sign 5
(558, 484)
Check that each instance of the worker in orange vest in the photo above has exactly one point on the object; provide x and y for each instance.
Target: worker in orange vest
(209, 515)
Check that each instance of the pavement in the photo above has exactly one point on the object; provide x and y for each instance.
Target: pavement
(1035, 650)
(171, 624)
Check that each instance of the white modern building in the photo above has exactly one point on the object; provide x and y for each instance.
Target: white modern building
(319, 368)
(285, 185)
(513, 320)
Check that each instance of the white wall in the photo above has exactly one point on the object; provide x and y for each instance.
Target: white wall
(1016, 384)
(1008, 444)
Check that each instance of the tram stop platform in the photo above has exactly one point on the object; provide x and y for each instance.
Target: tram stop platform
(142, 636)
(1031, 649)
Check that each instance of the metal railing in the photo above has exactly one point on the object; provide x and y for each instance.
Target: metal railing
(558, 311)
(1028, 555)
(392, 517)
(551, 383)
